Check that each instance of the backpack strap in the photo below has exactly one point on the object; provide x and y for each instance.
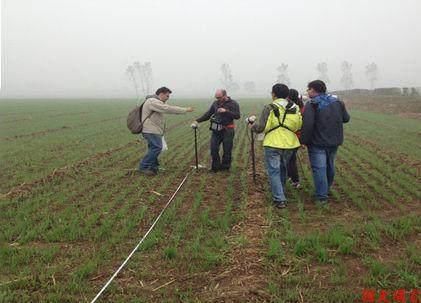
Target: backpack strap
(140, 115)
(276, 112)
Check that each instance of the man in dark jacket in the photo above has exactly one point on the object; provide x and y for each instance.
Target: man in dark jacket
(322, 132)
(222, 113)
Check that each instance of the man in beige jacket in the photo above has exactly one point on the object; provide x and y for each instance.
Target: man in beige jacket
(153, 112)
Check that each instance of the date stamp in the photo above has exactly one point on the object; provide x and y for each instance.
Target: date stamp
(390, 296)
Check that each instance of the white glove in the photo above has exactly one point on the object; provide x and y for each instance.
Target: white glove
(194, 125)
(251, 119)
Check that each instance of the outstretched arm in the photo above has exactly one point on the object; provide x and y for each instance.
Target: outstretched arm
(260, 126)
(161, 107)
(206, 116)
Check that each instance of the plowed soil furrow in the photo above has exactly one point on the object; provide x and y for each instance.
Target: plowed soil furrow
(59, 129)
(373, 173)
(243, 277)
(374, 160)
(13, 121)
(59, 173)
(30, 118)
(131, 194)
(389, 157)
(155, 206)
(162, 271)
(386, 126)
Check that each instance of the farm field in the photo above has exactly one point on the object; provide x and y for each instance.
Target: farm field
(71, 210)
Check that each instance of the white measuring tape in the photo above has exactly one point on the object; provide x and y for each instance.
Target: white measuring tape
(141, 241)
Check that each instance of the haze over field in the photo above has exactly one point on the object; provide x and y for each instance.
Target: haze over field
(82, 48)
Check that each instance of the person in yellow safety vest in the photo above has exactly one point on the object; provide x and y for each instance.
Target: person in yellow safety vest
(279, 122)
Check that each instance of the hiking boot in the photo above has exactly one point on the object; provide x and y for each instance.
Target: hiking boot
(148, 172)
(280, 204)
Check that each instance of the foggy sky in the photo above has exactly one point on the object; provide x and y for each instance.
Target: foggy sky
(83, 47)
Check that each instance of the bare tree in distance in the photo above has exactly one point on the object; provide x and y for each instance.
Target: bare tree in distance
(250, 87)
(322, 69)
(226, 75)
(148, 76)
(371, 71)
(235, 86)
(283, 74)
(414, 92)
(144, 72)
(130, 71)
(347, 80)
(139, 69)
(227, 79)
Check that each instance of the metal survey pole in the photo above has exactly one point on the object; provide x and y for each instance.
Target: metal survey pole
(253, 156)
(195, 148)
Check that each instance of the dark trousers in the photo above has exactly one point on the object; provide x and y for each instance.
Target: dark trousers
(226, 137)
(292, 167)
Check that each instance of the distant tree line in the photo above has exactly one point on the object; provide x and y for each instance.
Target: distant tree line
(141, 77)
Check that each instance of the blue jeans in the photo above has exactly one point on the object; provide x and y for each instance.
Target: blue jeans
(322, 160)
(276, 165)
(150, 160)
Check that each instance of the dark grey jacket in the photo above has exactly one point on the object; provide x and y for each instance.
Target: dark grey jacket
(227, 118)
(323, 120)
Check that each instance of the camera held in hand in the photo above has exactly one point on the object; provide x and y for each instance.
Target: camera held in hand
(216, 124)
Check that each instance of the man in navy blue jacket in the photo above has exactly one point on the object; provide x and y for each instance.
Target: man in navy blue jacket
(322, 132)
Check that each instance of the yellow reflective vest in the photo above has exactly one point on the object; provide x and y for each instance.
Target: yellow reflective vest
(282, 137)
